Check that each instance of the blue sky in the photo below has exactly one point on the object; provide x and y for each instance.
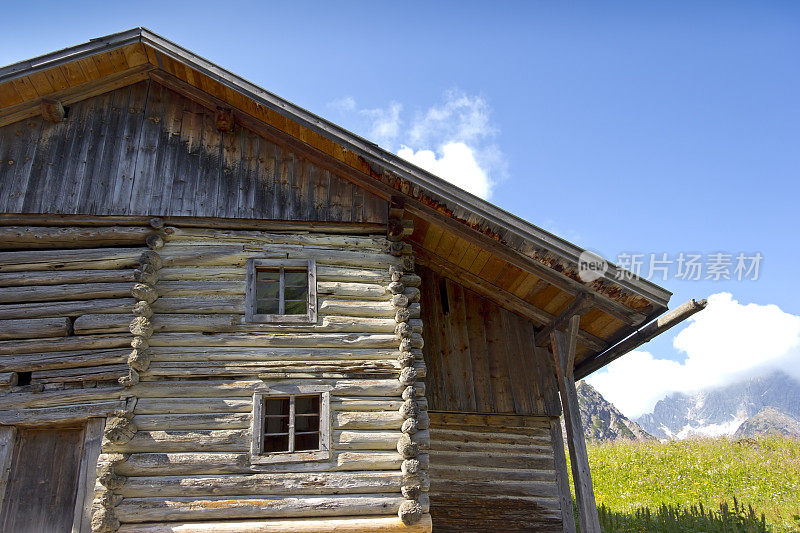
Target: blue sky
(621, 126)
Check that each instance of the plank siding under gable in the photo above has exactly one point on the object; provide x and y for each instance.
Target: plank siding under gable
(145, 149)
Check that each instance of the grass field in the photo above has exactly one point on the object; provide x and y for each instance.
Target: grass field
(763, 473)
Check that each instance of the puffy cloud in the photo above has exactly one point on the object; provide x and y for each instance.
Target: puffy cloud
(451, 140)
(455, 163)
(726, 342)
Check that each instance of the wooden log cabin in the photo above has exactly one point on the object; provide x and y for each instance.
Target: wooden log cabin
(213, 306)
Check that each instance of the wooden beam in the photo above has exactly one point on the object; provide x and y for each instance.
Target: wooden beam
(7, 438)
(563, 346)
(223, 119)
(580, 305)
(500, 296)
(647, 333)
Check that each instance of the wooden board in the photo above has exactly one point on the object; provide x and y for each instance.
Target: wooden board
(147, 150)
(480, 357)
(43, 481)
(492, 473)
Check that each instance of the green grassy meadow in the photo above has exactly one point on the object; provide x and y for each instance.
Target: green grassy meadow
(667, 483)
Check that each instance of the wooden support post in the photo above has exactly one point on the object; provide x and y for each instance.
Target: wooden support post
(562, 478)
(563, 347)
(7, 436)
(93, 437)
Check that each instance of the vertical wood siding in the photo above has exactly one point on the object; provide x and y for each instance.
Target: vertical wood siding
(479, 356)
(147, 150)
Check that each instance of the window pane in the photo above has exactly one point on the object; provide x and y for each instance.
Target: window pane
(296, 278)
(295, 308)
(276, 406)
(306, 405)
(267, 307)
(308, 441)
(277, 443)
(267, 284)
(276, 424)
(306, 423)
(295, 293)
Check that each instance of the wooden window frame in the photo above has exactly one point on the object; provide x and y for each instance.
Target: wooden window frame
(257, 456)
(250, 314)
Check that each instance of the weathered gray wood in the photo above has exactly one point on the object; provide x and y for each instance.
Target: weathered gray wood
(59, 415)
(563, 360)
(100, 258)
(68, 308)
(34, 328)
(379, 524)
(562, 476)
(92, 439)
(56, 360)
(275, 340)
(25, 237)
(61, 277)
(72, 291)
(55, 344)
(7, 435)
(221, 508)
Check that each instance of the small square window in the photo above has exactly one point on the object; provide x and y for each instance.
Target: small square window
(281, 291)
(291, 426)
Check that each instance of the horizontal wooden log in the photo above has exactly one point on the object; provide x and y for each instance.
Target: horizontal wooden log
(88, 373)
(384, 388)
(283, 369)
(287, 340)
(222, 508)
(58, 415)
(499, 436)
(34, 328)
(315, 483)
(388, 524)
(181, 421)
(355, 290)
(38, 237)
(202, 236)
(336, 306)
(505, 422)
(8, 379)
(63, 277)
(56, 398)
(190, 353)
(224, 323)
(175, 289)
(351, 274)
(210, 463)
(167, 441)
(467, 473)
(499, 486)
(75, 259)
(367, 420)
(70, 308)
(199, 305)
(193, 405)
(71, 291)
(55, 344)
(366, 440)
(56, 360)
(492, 460)
(237, 255)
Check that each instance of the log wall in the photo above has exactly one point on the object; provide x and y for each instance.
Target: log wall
(153, 336)
(147, 150)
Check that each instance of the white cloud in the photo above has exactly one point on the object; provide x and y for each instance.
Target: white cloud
(455, 163)
(725, 342)
(451, 140)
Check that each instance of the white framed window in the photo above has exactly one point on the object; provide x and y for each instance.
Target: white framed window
(281, 291)
(291, 423)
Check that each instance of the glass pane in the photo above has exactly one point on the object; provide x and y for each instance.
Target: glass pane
(295, 308)
(309, 441)
(267, 284)
(295, 293)
(276, 406)
(296, 279)
(276, 424)
(277, 443)
(307, 423)
(306, 405)
(267, 307)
